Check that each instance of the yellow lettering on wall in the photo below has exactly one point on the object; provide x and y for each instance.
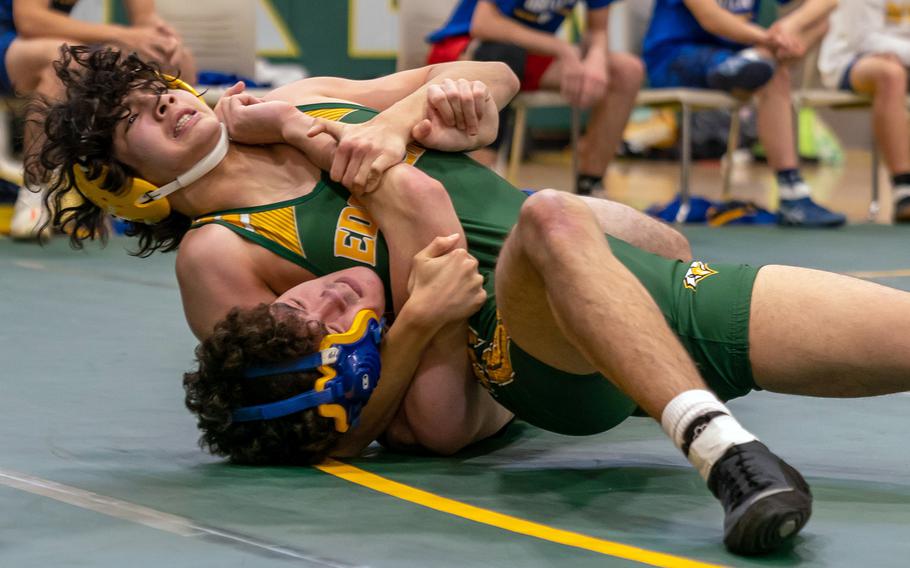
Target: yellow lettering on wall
(355, 234)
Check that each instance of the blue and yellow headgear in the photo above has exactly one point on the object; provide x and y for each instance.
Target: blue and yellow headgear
(349, 363)
(140, 200)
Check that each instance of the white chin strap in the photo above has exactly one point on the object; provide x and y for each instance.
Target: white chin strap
(202, 167)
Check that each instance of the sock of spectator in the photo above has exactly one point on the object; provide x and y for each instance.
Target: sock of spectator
(585, 184)
(791, 184)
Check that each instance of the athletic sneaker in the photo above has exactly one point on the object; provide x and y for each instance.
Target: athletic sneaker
(804, 212)
(902, 204)
(29, 217)
(744, 71)
(766, 502)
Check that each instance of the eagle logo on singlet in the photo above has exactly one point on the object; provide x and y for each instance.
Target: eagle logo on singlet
(697, 272)
(490, 359)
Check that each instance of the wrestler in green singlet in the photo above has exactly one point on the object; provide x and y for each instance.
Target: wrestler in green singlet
(327, 230)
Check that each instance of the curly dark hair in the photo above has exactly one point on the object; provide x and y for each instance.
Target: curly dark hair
(248, 337)
(79, 128)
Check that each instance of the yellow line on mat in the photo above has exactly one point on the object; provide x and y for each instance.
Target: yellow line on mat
(880, 273)
(505, 522)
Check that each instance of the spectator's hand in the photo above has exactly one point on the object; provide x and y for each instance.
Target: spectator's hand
(582, 83)
(595, 79)
(365, 151)
(787, 45)
(251, 120)
(444, 283)
(151, 43)
(461, 115)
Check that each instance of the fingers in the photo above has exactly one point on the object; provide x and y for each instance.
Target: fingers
(422, 130)
(234, 89)
(376, 171)
(439, 101)
(439, 246)
(468, 107)
(330, 127)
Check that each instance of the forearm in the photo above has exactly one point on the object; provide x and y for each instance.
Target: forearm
(811, 12)
(720, 22)
(489, 24)
(44, 22)
(401, 353)
(597, 41)
(141, 12)
(404, 114)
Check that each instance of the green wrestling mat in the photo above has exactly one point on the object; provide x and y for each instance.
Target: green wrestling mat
(99, 464)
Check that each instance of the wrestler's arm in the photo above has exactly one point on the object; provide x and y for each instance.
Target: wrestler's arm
(404, 91)
(445, 408)
(215, 274)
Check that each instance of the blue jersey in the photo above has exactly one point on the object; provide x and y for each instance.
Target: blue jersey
(542, 15)
(672, 23)
(6, 11)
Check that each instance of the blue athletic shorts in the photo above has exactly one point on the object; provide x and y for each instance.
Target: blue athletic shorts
(6, 38)
(685, 65)
(845, 80)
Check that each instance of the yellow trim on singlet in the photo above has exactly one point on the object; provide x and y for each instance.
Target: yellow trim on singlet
(334, 114)
(276, 225)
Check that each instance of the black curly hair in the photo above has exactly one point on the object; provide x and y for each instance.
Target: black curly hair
(79, 128)
(248, 337)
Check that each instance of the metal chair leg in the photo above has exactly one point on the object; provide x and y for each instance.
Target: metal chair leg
(575, 135)
(686, 150)
(732, 145)
(518, 142)
(874, 204)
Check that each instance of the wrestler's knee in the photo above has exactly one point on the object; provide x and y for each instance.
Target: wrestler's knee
(626, 72)
(551, 217)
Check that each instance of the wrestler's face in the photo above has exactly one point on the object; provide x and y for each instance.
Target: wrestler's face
(337, 298)
(165, 135)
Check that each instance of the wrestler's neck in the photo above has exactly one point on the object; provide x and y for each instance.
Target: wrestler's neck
(249, 176)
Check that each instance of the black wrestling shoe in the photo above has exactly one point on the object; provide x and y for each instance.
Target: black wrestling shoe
(766, 502)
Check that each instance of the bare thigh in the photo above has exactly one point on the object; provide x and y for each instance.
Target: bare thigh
(522, 300)
(639, 230)
(824, 334)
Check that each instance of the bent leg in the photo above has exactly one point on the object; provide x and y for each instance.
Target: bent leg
(567, 301)
(823, 334)
(609, 115)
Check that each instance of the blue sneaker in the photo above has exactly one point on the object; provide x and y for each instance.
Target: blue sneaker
(806, 213)
(744, 71)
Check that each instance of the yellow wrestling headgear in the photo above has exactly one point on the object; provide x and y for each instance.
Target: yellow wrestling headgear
(140, 200)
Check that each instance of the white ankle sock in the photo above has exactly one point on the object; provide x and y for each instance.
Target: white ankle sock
(796, 190)
(715, 433)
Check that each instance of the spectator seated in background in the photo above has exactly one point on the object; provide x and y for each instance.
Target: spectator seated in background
(868, 51)
(31, 32)
(716, 44)
(521, 33)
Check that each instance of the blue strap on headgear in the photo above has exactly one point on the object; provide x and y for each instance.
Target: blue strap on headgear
(350, 366)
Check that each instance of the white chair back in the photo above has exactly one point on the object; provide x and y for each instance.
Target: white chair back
(221, 34)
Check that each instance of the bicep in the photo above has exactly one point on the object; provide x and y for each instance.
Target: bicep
(214, 277)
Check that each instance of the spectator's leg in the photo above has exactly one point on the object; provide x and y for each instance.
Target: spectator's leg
(885, 78)
(29, 67)
(775, 121)
(609, 116)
